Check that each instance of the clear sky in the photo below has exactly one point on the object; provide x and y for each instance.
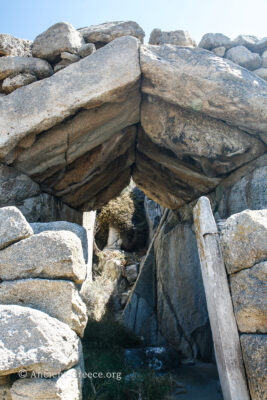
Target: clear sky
(28, 18)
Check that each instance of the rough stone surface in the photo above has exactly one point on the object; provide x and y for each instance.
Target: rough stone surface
(212, 40)
(5, 386)
(153, 215)
(109, 74)
(56, 39)
(246, 40)
(12, 46)
(14, 82)
(105, 33)
(86, 50)
(33, 341)
(15, 186)
(65, 387)
(262, 73)
(261, 45)
(46, 255)
(242, 56)
(177, 38)
(57, 298)
(244, 240)
(20, 65)
(13, 226)
(219, 51)
(264, 59)
(254, 348)
(61, 65)
(78, 230)
(248, 289)
(197, 80)
(69, 56)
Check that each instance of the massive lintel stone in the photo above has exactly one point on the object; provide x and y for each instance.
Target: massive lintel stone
(20, 65)
(46, 255)
(57, 39)
(33, 341)
(57, 298)
(105, 33)
(13, 226)
(12, 46)
(104, 77)
(244, 240)
(198, 80)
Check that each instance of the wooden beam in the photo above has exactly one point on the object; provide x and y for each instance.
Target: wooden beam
(223, 324)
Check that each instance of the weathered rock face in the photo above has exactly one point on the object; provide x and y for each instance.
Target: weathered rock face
(212, 40)
(65, 387)
(56, 39)
(59, 255)
(249, 298)
(105, 33)
(14, 226)
(12, 46)
(178, 38)
(57, 298)
(5, 386)
(244, 240)
(56, 346)
(12, 83)
(262, 73)
(254, 348)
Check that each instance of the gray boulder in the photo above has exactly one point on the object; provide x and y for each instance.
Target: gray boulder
(248, 41)
(66, 386)
(14, 82)
(244, 240)
(57, 298)
(33, 341)
(243, 57)
(177, 38)
(86, 50)
(20, 65)
(254, 349)
(261, 72)
(46, 255)
(248, 289)
(264, 59)
(13, 227)
(261, 45)
(188, 77)
(219, 51)
(12, 46)
(55, 40)
(212, 40)
(105, 33)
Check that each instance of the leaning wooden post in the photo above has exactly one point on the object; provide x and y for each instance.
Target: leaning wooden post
(219, 303)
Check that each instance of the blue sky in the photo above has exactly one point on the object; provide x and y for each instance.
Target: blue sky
(28, 18)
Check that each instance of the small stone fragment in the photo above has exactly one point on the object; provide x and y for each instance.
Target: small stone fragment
(14, 82)
(13, 227)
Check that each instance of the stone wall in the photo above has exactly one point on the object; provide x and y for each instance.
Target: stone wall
(244, 246)
(42, 313)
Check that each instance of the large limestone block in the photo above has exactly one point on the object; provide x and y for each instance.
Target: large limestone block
(15, 186)
(215, 147)
(105, 77)
(13, 226)
(212, 40)
(178, 38)
(20, 65)
(198, 80)
(67, 386)
(242, 56)
(248, 289)
(244, 240)
(46, 255)
(12, 46)
(254, 348)
(33, 341)
(57, 39)
(57, 298)
(105, 33)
